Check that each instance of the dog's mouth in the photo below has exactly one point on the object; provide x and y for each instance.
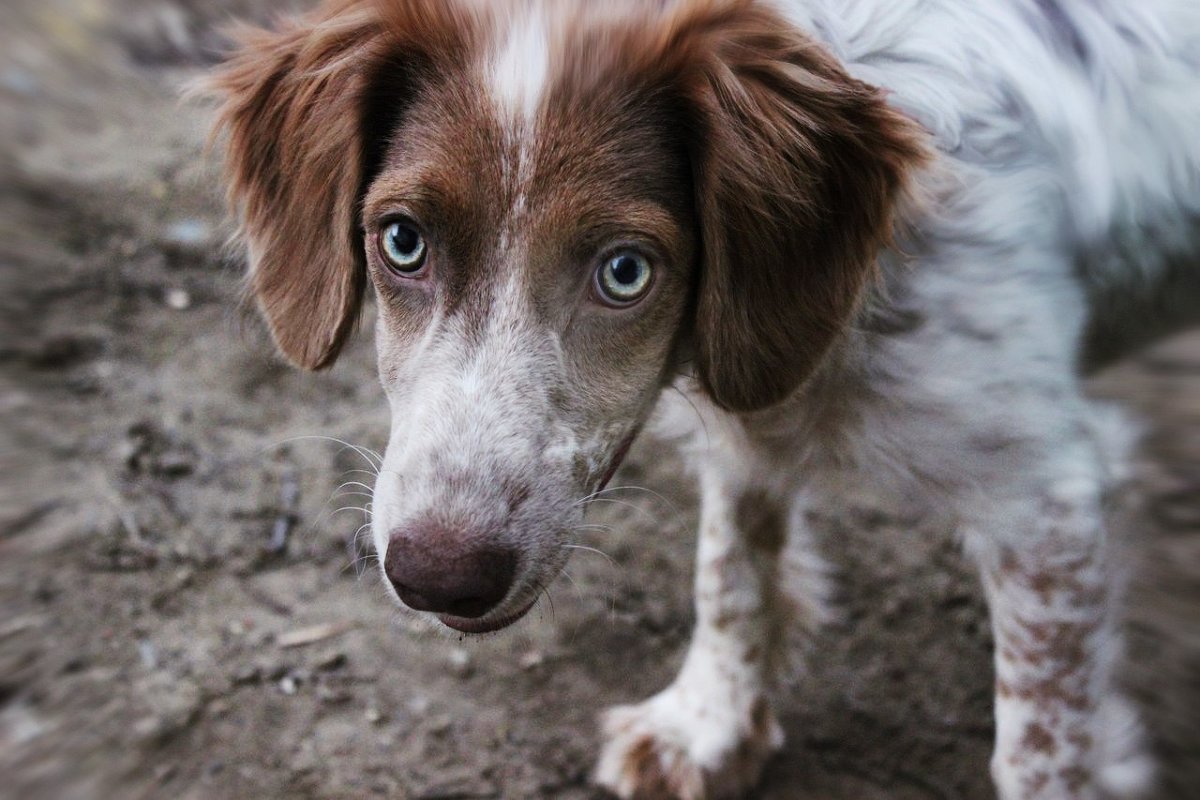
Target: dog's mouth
(484, 624)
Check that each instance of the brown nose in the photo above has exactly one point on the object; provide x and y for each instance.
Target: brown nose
(436, 570)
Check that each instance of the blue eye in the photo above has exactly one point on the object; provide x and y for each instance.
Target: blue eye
(623, 278)
(403, 247)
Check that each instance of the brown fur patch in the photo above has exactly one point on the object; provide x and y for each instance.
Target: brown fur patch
(1035, 783)
(1075, 778)
(1038, 739)
(644, 769)
(761, 521)
(760, 718)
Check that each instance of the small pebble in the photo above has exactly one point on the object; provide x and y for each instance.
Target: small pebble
(330, 661)
(532, 659)
(187, 232)
(461, 663)
(148, 654)
(178, 299)
(250, 673)
(332, 695)
(288, 685)
(419, 705)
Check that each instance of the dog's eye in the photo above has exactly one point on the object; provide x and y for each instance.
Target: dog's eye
(623, 278)
(403, 247)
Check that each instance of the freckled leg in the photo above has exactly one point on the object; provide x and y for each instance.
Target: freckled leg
(709, 733)
(1053, 605)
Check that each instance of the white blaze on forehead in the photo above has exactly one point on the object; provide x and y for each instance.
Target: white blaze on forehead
(520, 66)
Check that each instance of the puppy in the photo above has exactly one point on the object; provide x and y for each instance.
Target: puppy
(866, 240)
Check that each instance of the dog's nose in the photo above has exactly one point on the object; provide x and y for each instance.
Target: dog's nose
(440, 572)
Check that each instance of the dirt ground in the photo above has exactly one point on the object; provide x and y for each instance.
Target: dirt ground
(155, 641)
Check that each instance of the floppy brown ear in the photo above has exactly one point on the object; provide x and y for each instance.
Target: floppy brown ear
(797, 167)
(304, 125)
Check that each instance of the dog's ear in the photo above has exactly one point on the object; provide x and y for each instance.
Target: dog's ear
(292, 105)
(307, 110)
(797, 169)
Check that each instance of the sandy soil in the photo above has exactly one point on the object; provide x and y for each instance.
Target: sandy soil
(151, 445)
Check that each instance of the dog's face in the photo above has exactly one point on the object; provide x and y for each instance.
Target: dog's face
(531, 274)
(558, 208)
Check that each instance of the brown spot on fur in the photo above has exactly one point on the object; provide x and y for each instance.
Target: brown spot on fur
(1043, 583)
(1065, 644)
(1075, 778)
(724, 619)
(1035, 783)
(1038, 739)
(760, 718)
(760, 520)
(643, 769)
(1082, 740)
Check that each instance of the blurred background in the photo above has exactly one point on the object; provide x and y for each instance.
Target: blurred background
(185, 611)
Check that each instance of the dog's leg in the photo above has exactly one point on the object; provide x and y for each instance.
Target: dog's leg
(709, 733)
(1061, 731)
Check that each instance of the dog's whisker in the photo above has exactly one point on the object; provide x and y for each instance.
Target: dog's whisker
(359, 564)
(370, 473)
(566, 574)
(340, 495)
(360, 537)
(648, 514)
(592, 550)
(364, 564)
(378, 456)
(632, 488)
(362, 451)
(604, 531)
(350, 508)
(359, 484)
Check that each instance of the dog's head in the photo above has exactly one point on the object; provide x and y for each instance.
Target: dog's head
(559, 206)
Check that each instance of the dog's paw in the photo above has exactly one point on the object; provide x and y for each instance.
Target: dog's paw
(670, 749)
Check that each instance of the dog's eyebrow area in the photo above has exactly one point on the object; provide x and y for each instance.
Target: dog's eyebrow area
(544, 192)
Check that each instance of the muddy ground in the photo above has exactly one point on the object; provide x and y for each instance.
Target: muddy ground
(151, 446)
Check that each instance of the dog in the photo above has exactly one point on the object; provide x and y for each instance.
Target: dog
(857, 240)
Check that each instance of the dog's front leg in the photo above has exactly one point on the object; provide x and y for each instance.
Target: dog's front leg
(709, 733)
(1062, 730)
